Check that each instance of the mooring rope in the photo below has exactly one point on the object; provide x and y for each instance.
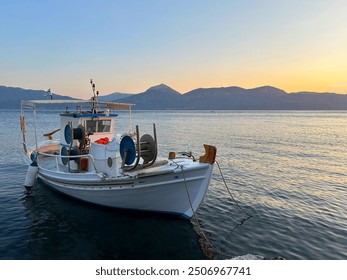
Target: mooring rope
(226, 186)
(195, 216)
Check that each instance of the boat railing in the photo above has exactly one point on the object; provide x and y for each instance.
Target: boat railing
(57, 157)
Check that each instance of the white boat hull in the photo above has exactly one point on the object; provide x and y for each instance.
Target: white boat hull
(171, 191)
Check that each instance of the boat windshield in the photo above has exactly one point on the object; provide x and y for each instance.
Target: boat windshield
(93, 126)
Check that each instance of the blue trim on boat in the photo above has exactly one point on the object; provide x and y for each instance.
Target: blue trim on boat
(87, 115)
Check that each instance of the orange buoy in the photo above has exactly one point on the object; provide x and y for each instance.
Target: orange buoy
(103, 141)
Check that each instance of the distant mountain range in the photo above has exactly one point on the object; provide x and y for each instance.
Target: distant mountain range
(162, 97)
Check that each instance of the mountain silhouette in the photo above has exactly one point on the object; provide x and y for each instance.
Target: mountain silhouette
(163, 97)
(12, 96)
(156, 98)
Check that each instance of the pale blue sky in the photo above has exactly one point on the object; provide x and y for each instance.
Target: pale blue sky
(128, 46)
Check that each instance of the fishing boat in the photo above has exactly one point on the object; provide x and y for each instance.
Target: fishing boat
(91, 162)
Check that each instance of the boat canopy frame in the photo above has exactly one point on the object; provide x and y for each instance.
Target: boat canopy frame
(32, 105)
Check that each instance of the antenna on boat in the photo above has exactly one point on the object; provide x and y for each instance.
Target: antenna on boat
(95, 96)
(93, 86)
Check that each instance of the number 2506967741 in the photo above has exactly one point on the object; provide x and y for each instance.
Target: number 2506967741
(228, 270)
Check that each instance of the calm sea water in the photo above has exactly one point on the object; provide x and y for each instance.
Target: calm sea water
(286, 169)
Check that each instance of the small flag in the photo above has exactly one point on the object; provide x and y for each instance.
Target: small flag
(49, 93)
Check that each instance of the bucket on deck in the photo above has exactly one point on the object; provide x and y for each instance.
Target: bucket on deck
(84, 163)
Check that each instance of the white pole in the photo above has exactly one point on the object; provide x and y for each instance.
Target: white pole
(130, 120)
(35, 127)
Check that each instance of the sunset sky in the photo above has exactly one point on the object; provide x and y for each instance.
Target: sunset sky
(129, 46)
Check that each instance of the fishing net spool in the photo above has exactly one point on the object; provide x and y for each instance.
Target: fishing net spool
(127, 150)
(144, 147)
(65, 152)
(71, 134)
(148, 148)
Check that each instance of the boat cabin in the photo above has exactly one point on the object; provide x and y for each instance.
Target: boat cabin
(96, 125)
(88, 141)
(90, 134)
